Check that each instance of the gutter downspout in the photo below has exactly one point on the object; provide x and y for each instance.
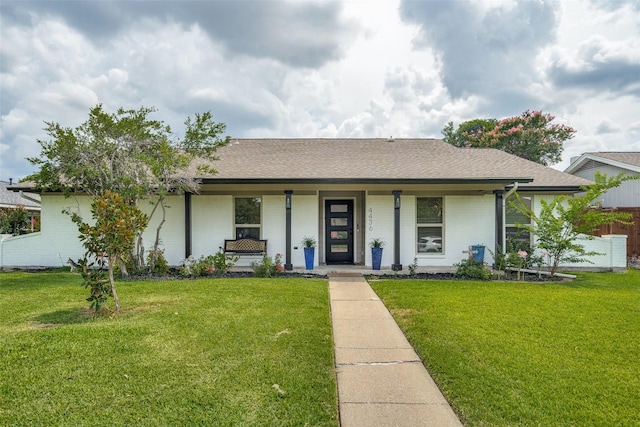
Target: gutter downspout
(1, 254)
(288, 266)
(510, 192)
(505, 197)
(396, 266)
(187, 225)
(499, 222)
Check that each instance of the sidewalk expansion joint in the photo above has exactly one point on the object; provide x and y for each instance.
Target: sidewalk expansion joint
(388, 363)
(357, 402)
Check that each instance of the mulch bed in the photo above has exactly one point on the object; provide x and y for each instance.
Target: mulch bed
(512, 277)
(174, 274)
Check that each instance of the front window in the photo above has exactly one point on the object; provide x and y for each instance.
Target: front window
(247, 217)
(517, 238)
(430, 222)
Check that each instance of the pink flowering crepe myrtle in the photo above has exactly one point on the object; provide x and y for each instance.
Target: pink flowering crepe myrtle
(530, 135)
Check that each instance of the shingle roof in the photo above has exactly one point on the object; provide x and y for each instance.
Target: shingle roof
(10, 198)
(631, 158)
(377, 159)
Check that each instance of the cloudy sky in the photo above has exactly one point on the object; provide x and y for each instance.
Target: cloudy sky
(321, 69)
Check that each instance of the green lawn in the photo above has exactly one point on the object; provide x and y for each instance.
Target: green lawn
(528, 354)
(192, 352)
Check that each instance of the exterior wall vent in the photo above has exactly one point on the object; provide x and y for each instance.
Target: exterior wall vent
(590, 165)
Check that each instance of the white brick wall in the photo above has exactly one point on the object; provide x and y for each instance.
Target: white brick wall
(58, 240)
(304, 222)
(55, 243)
(274, 224)
(172, 232)
(211, 223)
(379, 224)
(468, 220)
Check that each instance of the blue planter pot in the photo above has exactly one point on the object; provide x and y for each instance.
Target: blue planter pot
(309, 254)
(478, 253)
(376, 258)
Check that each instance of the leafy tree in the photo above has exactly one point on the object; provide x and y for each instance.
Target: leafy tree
(14, 220)
(117, 222)
(460, 137)
(530, 136)
(564, 221)
(128, 153)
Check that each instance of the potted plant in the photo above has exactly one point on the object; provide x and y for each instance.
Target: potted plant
(309, 244)
(376, 252)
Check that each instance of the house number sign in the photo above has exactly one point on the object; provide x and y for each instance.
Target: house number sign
(370, 218)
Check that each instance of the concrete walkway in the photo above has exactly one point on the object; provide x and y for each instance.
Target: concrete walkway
(381, 380)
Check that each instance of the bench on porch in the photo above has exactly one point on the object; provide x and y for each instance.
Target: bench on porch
(245, 246)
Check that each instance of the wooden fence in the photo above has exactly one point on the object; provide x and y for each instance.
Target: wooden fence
(632, 231)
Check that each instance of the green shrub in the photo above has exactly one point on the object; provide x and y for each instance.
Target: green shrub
(95, 279)
(413, 268)
(14, 220)
(517, 257)
(161, 265)
(218, 265)
(469, 268)
(268, 267)
(203, 266)
(222, 263)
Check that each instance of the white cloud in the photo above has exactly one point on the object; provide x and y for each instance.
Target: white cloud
(320, 69)
(606, 126)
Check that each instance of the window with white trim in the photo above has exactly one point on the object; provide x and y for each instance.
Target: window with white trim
(430, 225)
(517, 238)
(248, 218)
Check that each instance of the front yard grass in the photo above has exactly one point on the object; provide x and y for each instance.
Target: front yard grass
(525, 354)
(192, 352)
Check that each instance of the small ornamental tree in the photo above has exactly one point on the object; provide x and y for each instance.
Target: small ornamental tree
(529, 135)
(564, 221)
(131, 154)
(117, 222)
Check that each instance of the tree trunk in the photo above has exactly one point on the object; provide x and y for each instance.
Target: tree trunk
(140, 253)
(114, 294)
(123, 268)
(156, 243)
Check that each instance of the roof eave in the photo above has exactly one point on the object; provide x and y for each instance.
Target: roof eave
(551, 188)
(501, 181)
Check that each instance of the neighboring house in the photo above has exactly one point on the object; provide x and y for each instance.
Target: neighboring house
(29, 201)
(611, 163)
(426, 199)
(625, 198)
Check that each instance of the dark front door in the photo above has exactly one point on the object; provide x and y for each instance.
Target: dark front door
(339, 229)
